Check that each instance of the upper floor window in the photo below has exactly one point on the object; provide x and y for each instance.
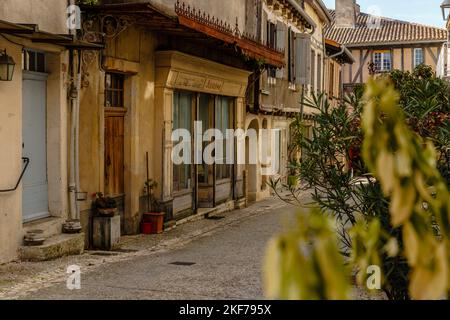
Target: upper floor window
(271, 34)
(313, 71)
(382, 60)
(272, 43)
(291, 55)
(114, 90)
(418, 57)
(33, 61)
(319, 73)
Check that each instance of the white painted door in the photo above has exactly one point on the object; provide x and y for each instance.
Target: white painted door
(35, 185)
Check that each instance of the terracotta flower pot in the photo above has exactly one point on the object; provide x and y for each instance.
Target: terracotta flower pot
(156, 220)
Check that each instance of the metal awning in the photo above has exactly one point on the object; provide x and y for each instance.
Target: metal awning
(184, 22)
(31, 32)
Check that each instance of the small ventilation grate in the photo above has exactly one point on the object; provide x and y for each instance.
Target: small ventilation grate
(182, 263)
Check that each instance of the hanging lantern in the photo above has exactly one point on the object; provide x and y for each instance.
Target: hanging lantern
(7, 65)
(445, 6)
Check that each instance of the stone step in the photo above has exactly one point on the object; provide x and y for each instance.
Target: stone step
(54, 247)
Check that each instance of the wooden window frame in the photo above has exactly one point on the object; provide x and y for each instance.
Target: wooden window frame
(382, 68)
(117, 90)
(271, 29)
(26, 66)
(415, 56)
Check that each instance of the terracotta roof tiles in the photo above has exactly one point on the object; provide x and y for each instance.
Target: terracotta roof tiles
(390, 32)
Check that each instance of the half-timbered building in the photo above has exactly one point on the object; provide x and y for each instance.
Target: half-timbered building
(381, 44)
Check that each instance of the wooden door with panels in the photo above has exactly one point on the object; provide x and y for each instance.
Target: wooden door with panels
(115, 113)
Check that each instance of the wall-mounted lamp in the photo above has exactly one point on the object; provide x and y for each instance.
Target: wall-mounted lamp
(445, 6)
(7, 65)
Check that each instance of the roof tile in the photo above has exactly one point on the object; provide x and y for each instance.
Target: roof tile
(390, 31)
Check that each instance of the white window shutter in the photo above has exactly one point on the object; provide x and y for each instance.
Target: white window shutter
(281, 44)
(302, 58)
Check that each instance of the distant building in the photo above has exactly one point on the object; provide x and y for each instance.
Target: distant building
(445, 66)
(382, 44)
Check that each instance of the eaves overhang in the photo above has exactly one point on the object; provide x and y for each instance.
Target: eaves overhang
(185, 21)
(32, 33)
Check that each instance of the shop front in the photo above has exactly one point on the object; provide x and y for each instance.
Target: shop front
(206, 100)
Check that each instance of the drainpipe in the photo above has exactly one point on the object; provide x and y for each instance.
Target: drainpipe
(77, 135)
(73, 225)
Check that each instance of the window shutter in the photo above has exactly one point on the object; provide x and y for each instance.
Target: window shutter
(302, 58)
(281, 44)
(281, 34)
(264, 27)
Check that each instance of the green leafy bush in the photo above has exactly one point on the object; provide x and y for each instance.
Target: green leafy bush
(399, 222)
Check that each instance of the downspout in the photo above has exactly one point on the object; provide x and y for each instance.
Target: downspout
(77, 137)
(73, 225)
(337, 54)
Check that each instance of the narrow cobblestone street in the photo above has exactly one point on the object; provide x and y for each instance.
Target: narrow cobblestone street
(219, 259)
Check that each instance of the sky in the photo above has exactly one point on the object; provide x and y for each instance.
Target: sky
(421, 11)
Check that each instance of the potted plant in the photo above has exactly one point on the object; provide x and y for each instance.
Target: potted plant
(153, 220)
(293, 174)
(105, 206)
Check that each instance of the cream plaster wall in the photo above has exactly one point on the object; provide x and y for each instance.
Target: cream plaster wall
(227, 11)
(50, 15)
(140, 121)
(10, 159)
(11, 227)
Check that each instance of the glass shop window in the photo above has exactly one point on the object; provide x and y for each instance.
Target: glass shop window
(182, 119)
(224, 120)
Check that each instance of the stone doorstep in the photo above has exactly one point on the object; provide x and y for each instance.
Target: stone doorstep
(51, 226)
(204, 213)
(54, 247)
